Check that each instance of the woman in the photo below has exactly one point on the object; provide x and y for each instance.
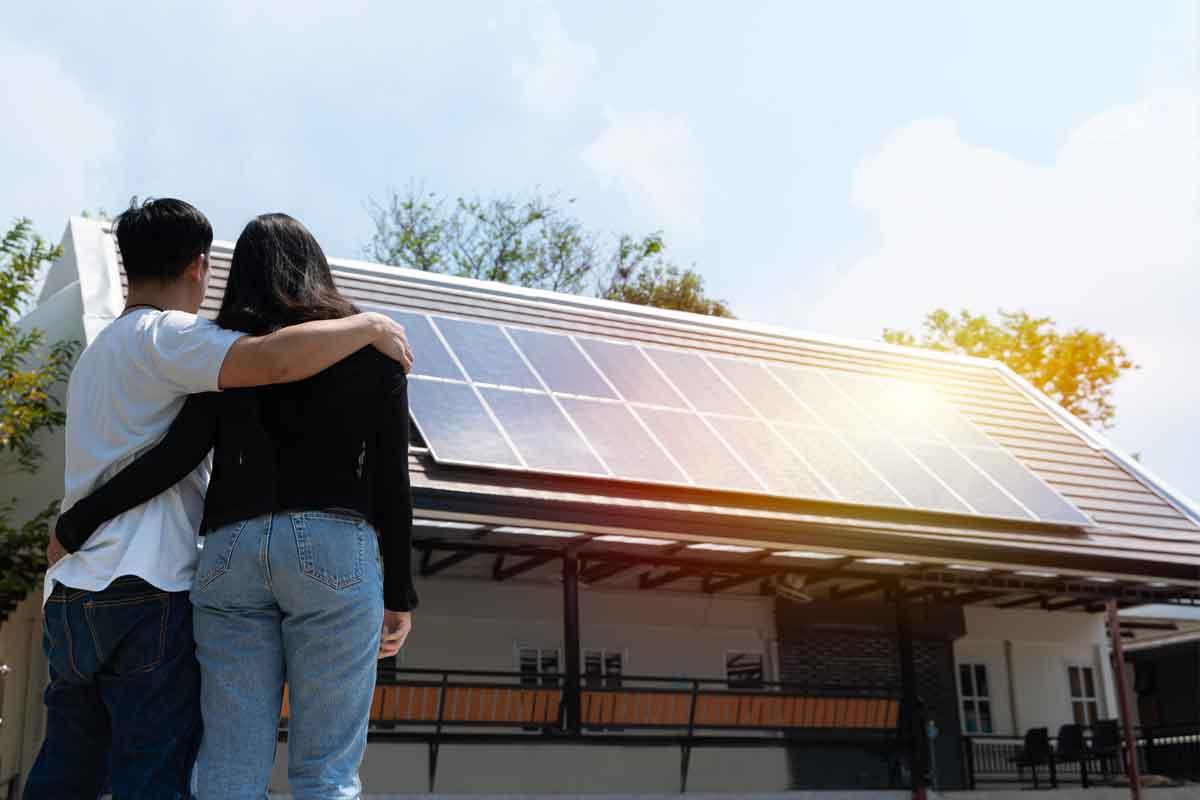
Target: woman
(309, 488)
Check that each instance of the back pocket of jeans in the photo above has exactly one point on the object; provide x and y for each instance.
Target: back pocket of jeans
(129, 633)
(217, 553)
(331, 547)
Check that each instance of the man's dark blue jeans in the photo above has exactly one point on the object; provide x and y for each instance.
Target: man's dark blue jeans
(124, 696)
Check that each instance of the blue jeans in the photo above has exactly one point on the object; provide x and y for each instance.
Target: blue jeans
(295, 597)
(124, 694)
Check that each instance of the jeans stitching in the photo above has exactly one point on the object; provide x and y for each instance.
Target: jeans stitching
(224, 559)
(164, 597)
(307, 565)
(71, 646)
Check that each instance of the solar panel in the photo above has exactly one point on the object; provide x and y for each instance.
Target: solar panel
(431, 357)
(486, 353)
(772, 460)
(703, 387)
(768, 396)
(621, 441)
(971, 484)
(698, 450)
(831, 406)
(540, 432)
(905, 474)
(1034, 494)
(840, 467)
(633, 375)
(580, 405)
(561, 363)
(455, 424)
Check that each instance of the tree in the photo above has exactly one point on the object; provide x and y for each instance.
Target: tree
(28, 373)
(1077, 368)
(531, 241)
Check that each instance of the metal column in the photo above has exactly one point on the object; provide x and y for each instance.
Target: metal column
(571, 703)
(913, 725)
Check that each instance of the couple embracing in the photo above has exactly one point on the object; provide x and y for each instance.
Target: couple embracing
(166, 656)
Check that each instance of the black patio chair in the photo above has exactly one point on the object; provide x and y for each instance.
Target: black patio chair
(1036, 752)
(1106, 747)
(1071, 749)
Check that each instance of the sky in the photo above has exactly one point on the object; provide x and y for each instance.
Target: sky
(833, 167)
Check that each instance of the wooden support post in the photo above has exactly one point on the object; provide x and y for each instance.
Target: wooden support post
(1118, 651)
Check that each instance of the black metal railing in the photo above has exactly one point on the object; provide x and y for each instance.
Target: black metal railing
(1169, 751)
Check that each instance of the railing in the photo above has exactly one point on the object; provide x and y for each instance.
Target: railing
(484, 707)
(1173, 752)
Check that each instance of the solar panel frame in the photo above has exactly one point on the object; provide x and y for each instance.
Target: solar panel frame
(953, 431)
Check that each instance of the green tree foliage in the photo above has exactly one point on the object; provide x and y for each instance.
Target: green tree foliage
(531, 241)
(1077, 368)
(28, 372)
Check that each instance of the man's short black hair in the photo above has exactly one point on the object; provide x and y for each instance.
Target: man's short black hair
(159, 238)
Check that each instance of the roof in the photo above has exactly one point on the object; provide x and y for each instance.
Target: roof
(1143, 532)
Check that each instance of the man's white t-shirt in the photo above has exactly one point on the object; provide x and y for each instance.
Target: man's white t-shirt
(124, 392)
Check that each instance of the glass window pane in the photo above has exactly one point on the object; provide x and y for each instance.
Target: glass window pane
(904, 473)
(1089, 688)
(561, 364)
(981, 681)
(985, 716)
(839, 466)
(961, 476)
(614, 663)
(692, 376)
(455, 424)
(431, 356)
(1076, 683)
(621, 441)
(540, 431)
(768, 396)
(631, 373)
(966, 685)
(769, 456)
(831, 406)
(970, 718)
(1025, 486)
(1079, 714)
(698, 450)
(486, 354)
(1092, 713)
(549, 661)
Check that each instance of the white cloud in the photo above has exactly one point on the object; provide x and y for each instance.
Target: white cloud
(58, 142)
(653, 158)
(1106, 236)
(553, 73)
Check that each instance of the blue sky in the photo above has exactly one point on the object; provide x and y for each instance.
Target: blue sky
(838, 167)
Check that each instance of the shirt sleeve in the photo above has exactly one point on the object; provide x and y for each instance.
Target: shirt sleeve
(186, 351)
(393, 494)
(186, 443)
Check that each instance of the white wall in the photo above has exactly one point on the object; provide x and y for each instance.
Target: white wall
(475, 624)
(1042, 644)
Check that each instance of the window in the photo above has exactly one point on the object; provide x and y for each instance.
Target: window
(603, 668)
(538, 666)
(743, 669)
(1085, 705)
(975, 690)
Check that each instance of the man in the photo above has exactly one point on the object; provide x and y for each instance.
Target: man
(123, 698)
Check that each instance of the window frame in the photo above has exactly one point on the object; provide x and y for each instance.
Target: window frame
(975, 697)
(1084, 700)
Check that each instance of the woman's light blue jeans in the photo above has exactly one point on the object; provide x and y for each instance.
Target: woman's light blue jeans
(296, 597)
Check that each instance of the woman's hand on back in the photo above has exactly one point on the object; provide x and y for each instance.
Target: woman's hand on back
(390, 339)
(396, 625)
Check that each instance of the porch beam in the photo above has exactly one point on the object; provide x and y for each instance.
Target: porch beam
(602, 572)
(967, 598)
(649, 581)
(431, 567)
(712, 586)
(1023, 601)
(502, 573)
(571, 690)
(1148, 626)
(856, 591)
(1073, 603)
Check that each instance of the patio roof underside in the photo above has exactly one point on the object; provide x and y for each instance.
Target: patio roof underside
(1144, 544)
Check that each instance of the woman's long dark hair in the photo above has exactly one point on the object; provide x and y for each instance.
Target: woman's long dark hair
(279, 277)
